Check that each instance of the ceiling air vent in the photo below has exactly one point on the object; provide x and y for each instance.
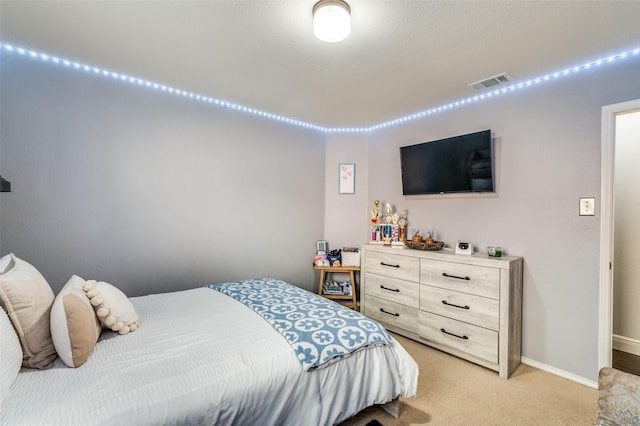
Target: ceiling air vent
(490, 82)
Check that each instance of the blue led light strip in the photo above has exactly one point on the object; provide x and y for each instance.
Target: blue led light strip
(145, 83)
(507, 89)
(4, 47)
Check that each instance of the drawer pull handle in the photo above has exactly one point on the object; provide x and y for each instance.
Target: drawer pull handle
(397, 290)
(388, 264)
(389, 313)
(444, 274)
(454, 335)
(444, 302)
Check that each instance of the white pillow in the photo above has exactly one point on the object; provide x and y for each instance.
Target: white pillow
(4, 263)
(75, 328)
(113, 307)
(10, 355)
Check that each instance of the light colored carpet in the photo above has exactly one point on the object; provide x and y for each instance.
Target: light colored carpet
(452, 391)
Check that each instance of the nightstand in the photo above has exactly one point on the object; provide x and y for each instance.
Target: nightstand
(324, 270)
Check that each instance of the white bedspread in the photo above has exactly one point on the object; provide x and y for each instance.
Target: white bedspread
(200, 357)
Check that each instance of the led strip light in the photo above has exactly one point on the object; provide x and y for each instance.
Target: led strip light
(8, 48)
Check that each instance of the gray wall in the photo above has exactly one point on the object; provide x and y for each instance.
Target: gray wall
(346, 213)
(548, 143)
(148, 191)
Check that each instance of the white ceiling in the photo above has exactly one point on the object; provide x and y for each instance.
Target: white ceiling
(402, 56)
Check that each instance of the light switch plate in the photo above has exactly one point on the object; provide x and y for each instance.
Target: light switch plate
(587, 206)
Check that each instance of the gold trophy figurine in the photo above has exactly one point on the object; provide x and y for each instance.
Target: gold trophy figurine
(389, 214)
(402, 222)
(376, 215)
(376, 211)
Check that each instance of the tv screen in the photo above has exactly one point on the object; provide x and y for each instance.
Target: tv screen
(453, 165)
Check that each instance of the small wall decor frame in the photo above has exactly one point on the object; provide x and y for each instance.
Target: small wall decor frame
(346, 178)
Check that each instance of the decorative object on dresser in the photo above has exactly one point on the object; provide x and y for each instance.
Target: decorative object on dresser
(424, 245)
(464, 248)
(468, 306)
(388, 228)
(493, 251)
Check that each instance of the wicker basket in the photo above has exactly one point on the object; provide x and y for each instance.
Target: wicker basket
(350, 258)
(434, 246)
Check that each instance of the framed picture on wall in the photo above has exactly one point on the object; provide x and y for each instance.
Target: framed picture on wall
(347, 178)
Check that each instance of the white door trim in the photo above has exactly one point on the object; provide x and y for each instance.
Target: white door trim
(605, 316)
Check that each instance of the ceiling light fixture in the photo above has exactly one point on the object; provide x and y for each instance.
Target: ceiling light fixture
(331, 20)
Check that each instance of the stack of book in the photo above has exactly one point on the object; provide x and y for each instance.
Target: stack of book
(332, 288)
(337, 289)
(346, 288)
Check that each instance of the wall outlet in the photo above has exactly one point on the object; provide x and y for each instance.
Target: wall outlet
(588, 206)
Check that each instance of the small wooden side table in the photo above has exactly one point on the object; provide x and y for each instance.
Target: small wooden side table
(324, 270)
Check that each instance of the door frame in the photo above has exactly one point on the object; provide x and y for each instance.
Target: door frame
(605, 320)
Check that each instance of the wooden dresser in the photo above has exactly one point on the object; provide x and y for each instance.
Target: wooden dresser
(468, 306)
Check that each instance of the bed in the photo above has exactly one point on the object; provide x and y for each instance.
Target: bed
(200, 356)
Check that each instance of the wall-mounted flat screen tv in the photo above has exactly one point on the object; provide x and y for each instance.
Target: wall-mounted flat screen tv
(454, 165)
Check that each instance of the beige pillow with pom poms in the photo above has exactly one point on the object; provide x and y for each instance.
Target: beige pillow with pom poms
(112, 306)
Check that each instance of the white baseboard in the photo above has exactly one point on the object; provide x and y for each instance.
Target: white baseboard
(558, 372)
(625, 344)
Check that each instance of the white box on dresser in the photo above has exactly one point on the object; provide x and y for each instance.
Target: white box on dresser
(466, 305)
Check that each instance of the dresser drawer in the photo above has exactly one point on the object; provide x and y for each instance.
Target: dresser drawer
(472, 279)
(399, 291)
(476, 341)
(476, 310)
(393, 265)
(392, 313)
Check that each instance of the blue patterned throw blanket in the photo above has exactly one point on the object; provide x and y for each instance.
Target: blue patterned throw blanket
(319, 330)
